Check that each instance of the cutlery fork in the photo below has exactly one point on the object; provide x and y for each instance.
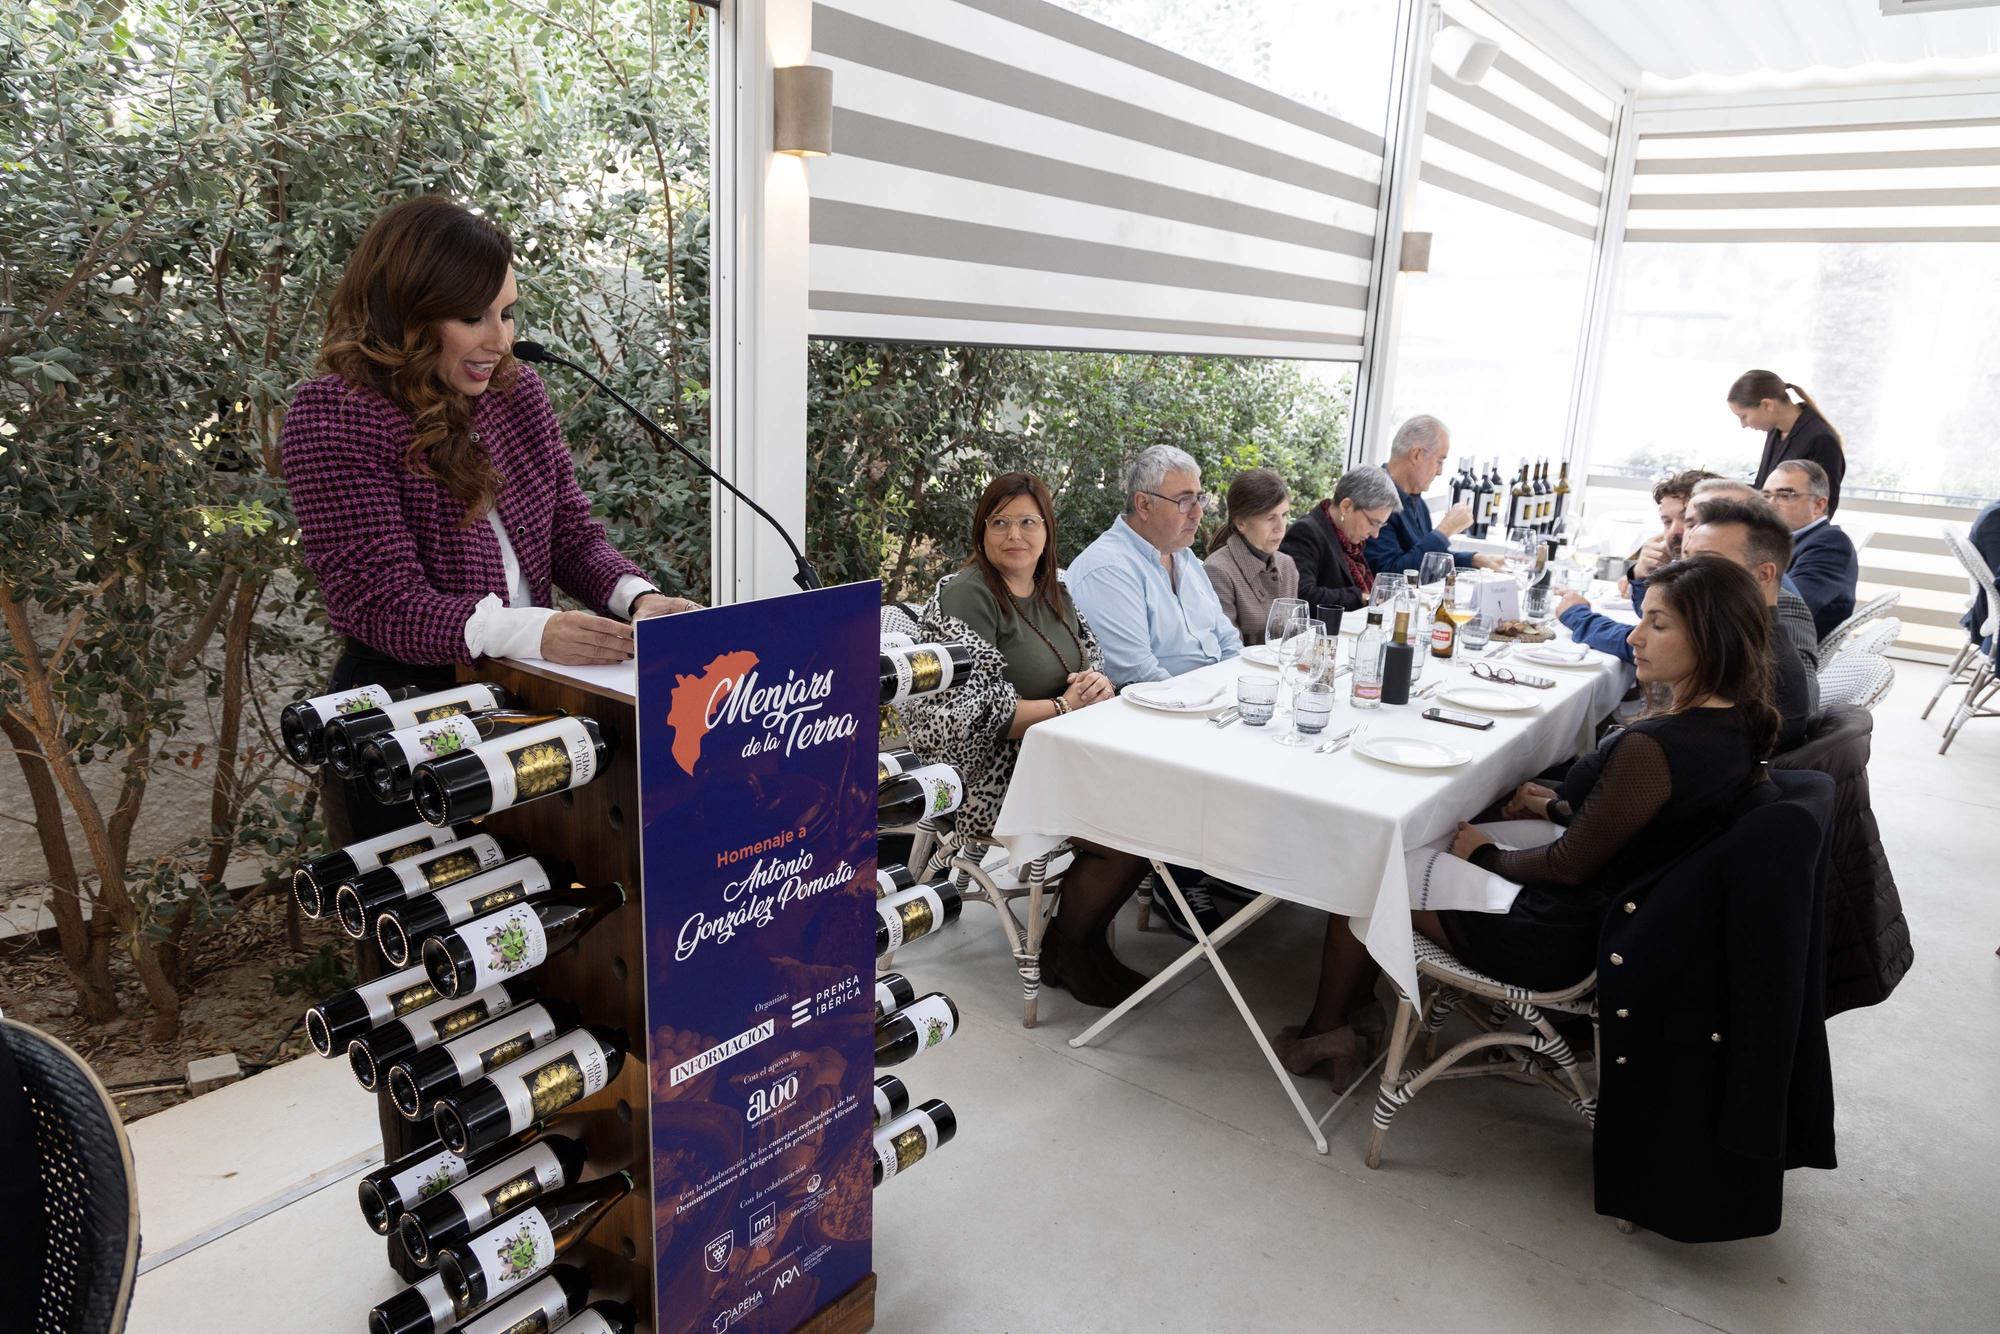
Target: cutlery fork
(1335, 743)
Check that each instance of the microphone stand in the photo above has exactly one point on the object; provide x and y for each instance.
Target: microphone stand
(806, 577)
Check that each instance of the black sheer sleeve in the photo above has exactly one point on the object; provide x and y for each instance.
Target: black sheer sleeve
(1633, 788)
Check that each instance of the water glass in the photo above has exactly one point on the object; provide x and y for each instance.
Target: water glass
(1475, 634)
(1256, 698)
(1312, 706)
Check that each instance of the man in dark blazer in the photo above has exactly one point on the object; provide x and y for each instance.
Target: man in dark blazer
(1985, 536)
(1416, 457)
(1825, 567)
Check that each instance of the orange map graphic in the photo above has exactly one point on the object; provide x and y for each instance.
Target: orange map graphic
(687, 716)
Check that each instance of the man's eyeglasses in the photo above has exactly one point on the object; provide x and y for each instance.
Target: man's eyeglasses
(1186, 504)
(1784, 493)
(1028, 524)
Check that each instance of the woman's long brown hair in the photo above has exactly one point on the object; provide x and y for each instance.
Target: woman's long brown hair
(998, 492)
(1730, 627)
(422, 261)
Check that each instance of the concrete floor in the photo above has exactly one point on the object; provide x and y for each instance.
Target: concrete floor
(1160, 1181)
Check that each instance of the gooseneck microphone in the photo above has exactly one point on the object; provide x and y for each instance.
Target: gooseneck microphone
(806, 578)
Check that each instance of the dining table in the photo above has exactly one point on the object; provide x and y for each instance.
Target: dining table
(1325, 825)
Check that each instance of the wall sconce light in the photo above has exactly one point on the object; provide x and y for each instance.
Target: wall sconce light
(802, 110)
(1416, 253)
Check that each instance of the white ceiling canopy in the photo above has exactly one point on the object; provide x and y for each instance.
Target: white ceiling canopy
(1722, 41)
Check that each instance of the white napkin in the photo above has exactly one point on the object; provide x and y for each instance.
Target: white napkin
(1440, 880)
(1554, 649)
(1175, 695)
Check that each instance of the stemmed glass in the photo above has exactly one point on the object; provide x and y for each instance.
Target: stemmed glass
(1388, 586)
(1520, 551)
(1306, 657)
(1283, 612)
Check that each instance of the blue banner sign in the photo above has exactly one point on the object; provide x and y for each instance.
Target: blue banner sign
(758, 726)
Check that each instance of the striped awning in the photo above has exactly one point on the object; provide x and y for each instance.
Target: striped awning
(1531, 137)
(1009, 172)
(1936, 180)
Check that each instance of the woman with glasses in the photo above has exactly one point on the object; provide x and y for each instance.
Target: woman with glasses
(1034, 659)
(1326, 544)
(1244, 564)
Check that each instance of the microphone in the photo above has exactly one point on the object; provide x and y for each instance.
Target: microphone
(806, 577)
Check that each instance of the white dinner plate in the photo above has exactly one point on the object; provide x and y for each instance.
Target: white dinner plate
(1542, 657)
(1169, 697)
(1410, 752)
(1485, 698)
(1260, 655)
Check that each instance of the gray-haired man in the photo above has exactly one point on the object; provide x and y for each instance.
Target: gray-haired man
(1416, 457)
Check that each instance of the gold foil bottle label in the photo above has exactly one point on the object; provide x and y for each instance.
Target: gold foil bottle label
(499, 898)
(555, 1086)
(442, 712)
(459, 1020)
(514, 1190)
(917, 918)
(412, 998)
(540, 769)
(535, 1323)
(407, 850)
(504, 1052)
(910, 1148)
(926, 671)
(441, 871)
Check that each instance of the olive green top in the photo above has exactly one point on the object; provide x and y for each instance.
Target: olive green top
(1033, 671)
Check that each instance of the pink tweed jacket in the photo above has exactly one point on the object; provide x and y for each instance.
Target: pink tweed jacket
(397, 568)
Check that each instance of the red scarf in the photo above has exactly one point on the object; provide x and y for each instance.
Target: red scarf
(1357, 564)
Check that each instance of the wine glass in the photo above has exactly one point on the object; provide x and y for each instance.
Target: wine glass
(1305, 657)
(1283, 612)
(1520, 551)
(1294, 643)
(1388, 587)
(1437, 564)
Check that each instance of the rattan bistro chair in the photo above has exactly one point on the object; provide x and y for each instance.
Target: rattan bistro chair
(1878, 605)
(1971, 653)
(1876, 637)
(1860, 679)
(1984, 658)
(84, 1238)
(1448, 985)
(978, 869)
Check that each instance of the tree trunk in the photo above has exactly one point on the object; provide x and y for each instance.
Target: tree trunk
(84, 954)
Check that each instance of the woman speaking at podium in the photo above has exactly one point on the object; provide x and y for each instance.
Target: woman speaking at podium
(436, 498)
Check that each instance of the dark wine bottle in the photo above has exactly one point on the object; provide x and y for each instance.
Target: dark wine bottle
(357, 901)
(501, 1185)
(893, 879)
(315, 880)
(922, 1024)
(912, 1137)
(892, 1099)
(914, 914)
(423, 1308)
(602, 1318)
(374, 1052)
(889, 763)
(923, 669)
(391, 1189)
(346, 1015)
(389, 761)
(346, 733)
(486, 949)
(554, 1301)
(302, 725)
(920, 794)
(503, 1258)
(421, 1078)
(514, 1097)
(494, 775)
(892, 992)
(401, 927)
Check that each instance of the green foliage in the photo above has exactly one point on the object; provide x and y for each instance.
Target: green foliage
(321, 974)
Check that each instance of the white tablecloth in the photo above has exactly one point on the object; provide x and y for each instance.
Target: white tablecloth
(1327, 831)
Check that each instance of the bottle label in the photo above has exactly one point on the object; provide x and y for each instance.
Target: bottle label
(477, 1055)
(427, 741)
(931, 1016)
(466, 1017)
(885, 997)
(435, 1174)
(883, 1109)
(396, 995)
(944, 790)
(923, 669)
(512, 1181)
(398, 846)
(576, 1068)
(903, 1143)
(910, 915)
(537, 1310)
(490, 891)
(887, 766)
(590, 1322)
(502, 945)
(537, 761)
(359, 700)
(451, 864)
(452, 1015)
(888, 882)
(513, 1253)
(432, 1290)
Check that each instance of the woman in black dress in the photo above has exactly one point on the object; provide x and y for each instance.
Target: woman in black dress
(1762, 401)
(1647, 794)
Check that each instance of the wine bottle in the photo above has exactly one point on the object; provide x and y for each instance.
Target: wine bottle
(508, 770)
(599, 1318)
(478, 954)
(501, 1185)
(314, 881)
(1366, 664)
(414, 1178)
(889, 763)
(917, 1027)
(346, 1015)
(514, 1097)
(389, 762)
(302, 725)
(346, 733)
(554, 1301)
(923, 669)
(1444, 628)
(374, 1052)
(894, 639)
(914, 914)
(893, 879)
(1562, 491)
(1420, 625)
(503, 1258)
(418, 1080)
(892, 1099)
(920, 794)
(1396, 659)
(912, 1137)
(423, 1308)
(892, 992)
(1482, 498)
(401, 928)
(357, 901)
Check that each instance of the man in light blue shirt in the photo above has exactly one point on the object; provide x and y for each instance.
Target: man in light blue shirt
(1143, 591)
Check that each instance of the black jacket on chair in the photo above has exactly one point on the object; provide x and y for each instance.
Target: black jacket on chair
(1867, 939)
(1324, 579)
(1714, 1076)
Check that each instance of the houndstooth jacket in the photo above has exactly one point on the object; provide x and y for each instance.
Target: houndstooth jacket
(398, 568)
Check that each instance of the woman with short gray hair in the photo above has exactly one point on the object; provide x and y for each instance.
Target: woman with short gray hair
(1326, 543)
